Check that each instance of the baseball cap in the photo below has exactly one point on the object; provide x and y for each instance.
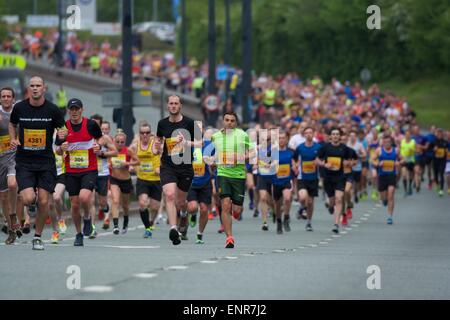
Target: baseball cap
(74, 103)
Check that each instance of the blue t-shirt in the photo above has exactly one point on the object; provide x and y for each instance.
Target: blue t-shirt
(201, 170)
(307, 169)
(420, 140)
(430, 138)
(284, 172)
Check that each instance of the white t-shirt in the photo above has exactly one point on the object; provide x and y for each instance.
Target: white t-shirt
(295, 141)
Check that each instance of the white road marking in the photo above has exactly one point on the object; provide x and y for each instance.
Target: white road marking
(98, 289)
(355, 225)
(323, 242)
(231, 258)
(146, 275)
(208, 261)
(364, 219)
(343, 232)
(336, 236)
(177, 268)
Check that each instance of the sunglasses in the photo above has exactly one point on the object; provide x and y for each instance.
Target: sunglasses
(120, 142)
(144, 132)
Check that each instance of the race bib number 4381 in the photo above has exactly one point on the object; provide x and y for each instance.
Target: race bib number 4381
(34, 139)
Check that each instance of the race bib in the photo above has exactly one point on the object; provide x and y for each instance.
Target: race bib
(228, 158)
(117, 161)
(199, 169)
(5, 144)
(264, 168)
(79, 159)
(146, 167)
(440, 153)
(308, 167)
(35, 139)
(335, 163)
(173, 147)
(284, 171)
(388, 165)
(58, 161)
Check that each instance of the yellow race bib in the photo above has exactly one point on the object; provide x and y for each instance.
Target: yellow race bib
(35, 139)
(308, 167)
(146, 167)
(117, 161)
(440, 153)
(335, 163)
(228, 158)
(388, 165)
(199, 169)
(79, 159)
(5, 144)
(173, 147)
(284, 171)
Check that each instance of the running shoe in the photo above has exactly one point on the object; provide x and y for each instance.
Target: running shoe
(251, 206)
(11, 237)
(211, 216)
(32, 212)
(441, 193)
(55, 237)
(17, 230)
(152, 227)
(221, 229)
(331, 210)
(229, 243)
(5, 229)
(199, 239)
(106, 224)
(87, 227)
(26, 228)
(184, 236)
(125, 230)
(356, 198)
(335, 229)
(62, 226)
(279, 228)
(256, 213)
(174, 236)
(274, 218)
(116, 230)
(101, 214)
(390, 220)
(78, 240)
(237, 216)
(286, 225)
(385, 203)
(309, 227)
(265, 226)
(37, 244)
(301, 214)
(93, 234)
(192, 220)
(374, 195)
(148, 233)
(48, 220)
(349, 213)
(344, 220)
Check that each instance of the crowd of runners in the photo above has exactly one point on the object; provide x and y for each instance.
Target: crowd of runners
(310, 142)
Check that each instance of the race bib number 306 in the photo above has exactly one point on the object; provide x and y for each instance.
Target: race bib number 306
(34, 139)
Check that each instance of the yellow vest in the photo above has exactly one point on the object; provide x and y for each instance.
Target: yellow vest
(149, 162)
(269, 97)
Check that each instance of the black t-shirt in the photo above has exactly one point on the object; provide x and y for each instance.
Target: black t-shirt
(441, 144)
(336, 156)
(173, 154)
(36, 127)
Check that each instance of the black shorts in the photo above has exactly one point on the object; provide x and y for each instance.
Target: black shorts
(61, 179)
(264, 183)
(36, 177)
(233, 189)
(428, 160)
(420, 161)
(357, 176)
(201, 194)
(278, 190)
(101, 187)
(409, 166)
(77, 181)
(365, 164)
(151, 188)
(181, 176)
(125, 186)
(384, 182)
(311, 186)
(331, 185)
(348, 177)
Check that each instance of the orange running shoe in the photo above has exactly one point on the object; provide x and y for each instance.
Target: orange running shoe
(48, 220)
(349, 213)
(211, 216)
(229, 244)
(101, 214)
(344, 221)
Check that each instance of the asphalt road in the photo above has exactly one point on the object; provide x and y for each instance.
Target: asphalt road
(412, 256)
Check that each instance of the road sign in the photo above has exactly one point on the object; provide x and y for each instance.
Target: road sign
(212, 103)
(112, 98)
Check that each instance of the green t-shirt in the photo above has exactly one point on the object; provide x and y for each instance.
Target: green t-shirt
(230, 149)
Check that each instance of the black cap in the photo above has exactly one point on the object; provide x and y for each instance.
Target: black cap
(74, 103)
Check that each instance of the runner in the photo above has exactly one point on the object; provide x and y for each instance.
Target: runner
(365, 165)
(386, 159)
(8, 184)
(31, 128)
(447, 167)
(148, 186)
(121, 185)
(358, 167)
(429, 156)
(333, 157)
(177, 134)
(419, 167)
(373, 145)
(307, 174)
(81, 166)
(347, 206)
(200, 193)
(439, 160)
(232, 147)
(106, 152)
(407, 151)
(282, 183)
